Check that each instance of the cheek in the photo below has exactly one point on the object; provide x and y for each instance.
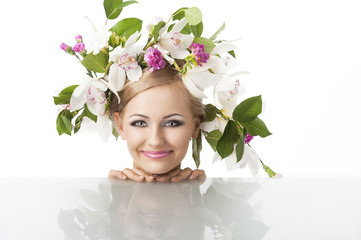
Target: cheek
(179, 137)
(133, 136)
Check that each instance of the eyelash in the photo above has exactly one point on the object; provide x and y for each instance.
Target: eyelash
(177, 123)
(137, 124)
(141, 123)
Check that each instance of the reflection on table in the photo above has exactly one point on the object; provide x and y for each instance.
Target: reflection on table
(103, 209)
(129, 210)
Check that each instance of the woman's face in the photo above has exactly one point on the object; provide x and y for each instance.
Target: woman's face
(157, 125)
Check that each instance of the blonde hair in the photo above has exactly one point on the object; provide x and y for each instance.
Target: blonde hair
(166, 76)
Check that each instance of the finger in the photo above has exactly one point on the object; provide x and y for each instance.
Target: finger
(198, 173)
(166, 177)
(182, 175)
(147, 177)
(133, 175)
(116, 174)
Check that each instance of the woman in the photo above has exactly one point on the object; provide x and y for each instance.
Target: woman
(152, 93)
(157, 116)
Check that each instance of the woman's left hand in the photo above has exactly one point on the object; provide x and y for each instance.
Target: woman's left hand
(178, 175)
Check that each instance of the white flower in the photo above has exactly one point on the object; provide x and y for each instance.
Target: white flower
(103, 127)
(154, 22)
(125, 64)
(91, 92)
(218, 123)
(199, 77)
(174, 42)
(226, 92)
(98, 40)
(225, 61)
(249, 159)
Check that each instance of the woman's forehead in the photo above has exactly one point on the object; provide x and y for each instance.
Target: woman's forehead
(164, 100)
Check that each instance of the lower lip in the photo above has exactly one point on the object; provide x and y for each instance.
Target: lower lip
(156, 155)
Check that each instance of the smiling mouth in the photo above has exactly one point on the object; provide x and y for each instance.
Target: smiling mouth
(157, 154)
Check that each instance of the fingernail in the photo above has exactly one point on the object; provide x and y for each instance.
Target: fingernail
(123, 177)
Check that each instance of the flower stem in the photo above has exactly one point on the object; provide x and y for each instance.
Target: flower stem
(177, 67)
(150, 43)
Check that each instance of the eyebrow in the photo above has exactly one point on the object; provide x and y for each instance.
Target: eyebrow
(165, 117)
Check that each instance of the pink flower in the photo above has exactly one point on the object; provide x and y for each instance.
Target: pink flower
(248, 138)
(64, 46)
(78, 38)
(154, 59)
(198, 51)
(79, 47)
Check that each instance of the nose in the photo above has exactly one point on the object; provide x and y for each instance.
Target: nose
(155, 138)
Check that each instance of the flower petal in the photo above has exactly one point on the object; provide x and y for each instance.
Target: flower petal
(223, 47)
(178, 53)
(105, 127)
(76, 102)
(210, 126)
(179, 26)
(96, 109)
(131, 40)
(231, 162)
(78, 98)
(192, 88)
(134, 74)
(116, 78)
(251, 158)
(203, 79)
(165, 55)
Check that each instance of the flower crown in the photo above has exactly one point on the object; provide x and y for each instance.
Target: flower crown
(113, 55)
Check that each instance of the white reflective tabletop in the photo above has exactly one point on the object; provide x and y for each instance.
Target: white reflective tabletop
(287, 208)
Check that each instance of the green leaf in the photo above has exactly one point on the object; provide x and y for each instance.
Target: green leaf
(248, 110)
(127, 27)
(96, 63)
(63, 122)
(78, 122)
(179, 14)
(65, 95)
(214, 36)
(225, 145)
(256, 127)
(115, 133)
(196, 149)
(89, 114)
(186, 30)
(232, 53)
(156, 30)
(213, 137)
(211, 112)
(197, 30)
(208, 44)
(113, 8)
(193, 15)
(240, 145)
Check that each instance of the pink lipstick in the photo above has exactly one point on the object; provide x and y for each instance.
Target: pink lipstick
(156, 154)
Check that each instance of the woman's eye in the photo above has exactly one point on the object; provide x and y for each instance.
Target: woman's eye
(138, 124)
(173, 124)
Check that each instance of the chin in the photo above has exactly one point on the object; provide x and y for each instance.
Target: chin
(159, 169)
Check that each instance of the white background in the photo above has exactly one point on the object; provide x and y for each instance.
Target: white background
(304, 57)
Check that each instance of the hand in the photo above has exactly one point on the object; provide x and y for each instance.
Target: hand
(175, 175)
(178, 175)
(132, 174)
